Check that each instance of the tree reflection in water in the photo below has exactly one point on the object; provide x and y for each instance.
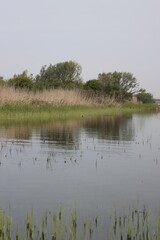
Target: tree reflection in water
(68, 133)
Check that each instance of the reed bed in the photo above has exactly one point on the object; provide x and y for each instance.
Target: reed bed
(135, 224)
(10, 95)
(21, 106)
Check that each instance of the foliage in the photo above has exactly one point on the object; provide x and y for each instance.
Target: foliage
(120, 85)
(93, 85)
(145, 97)
(61, 75)
(2, 81)
(22, 81)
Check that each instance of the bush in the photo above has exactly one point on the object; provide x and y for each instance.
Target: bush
(93, 85)
(22, 81)
(145, 97)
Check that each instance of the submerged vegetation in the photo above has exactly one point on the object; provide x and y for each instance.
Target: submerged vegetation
(134, 224)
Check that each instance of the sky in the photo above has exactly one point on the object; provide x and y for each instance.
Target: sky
(101, 35)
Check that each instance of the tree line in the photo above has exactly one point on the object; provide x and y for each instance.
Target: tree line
(121, 86)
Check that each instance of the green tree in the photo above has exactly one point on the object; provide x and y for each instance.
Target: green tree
(121, 85)
(145, 97)
(22, 81)
(93, 85)
(61, 75)
(2, 81)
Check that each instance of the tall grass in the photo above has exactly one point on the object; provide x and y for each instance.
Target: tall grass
(9, 95)
(35, 114)
(19, 106)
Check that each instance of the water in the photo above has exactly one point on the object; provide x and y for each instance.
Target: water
(93, 165)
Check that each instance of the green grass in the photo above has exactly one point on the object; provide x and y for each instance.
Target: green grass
(134, 224)
(44, 113)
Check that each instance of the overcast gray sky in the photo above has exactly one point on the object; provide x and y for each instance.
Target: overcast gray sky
(101, 35)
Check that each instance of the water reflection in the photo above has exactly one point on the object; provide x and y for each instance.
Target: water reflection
(68, 133)
(110, 128)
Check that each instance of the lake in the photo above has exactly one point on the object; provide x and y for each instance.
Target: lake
(94, 165)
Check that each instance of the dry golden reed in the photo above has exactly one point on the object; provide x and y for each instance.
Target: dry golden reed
(10, 95)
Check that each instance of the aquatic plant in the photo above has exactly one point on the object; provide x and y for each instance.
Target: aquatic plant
(134, 224)
(38, 114)
(5, 226)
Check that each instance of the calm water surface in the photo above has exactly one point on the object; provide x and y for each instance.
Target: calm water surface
(94, 164)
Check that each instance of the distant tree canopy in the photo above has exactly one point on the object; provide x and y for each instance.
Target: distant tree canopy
(145, 97)
(21, 81)
(120, 85)
(64, 75)
(2, 81)
(93, 85)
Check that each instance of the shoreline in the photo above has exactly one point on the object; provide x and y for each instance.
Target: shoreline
(29, 113)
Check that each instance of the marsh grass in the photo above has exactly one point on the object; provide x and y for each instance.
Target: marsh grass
(10, 95)
(134, 224)
(47, 113)
(5, 226)
(23, 113)
(18, 106)
(33, 114)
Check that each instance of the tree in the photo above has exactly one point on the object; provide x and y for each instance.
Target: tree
(64, 75)
(21, 81)
(145, 97)
(121, 85)
(2, 81)
(93, 85)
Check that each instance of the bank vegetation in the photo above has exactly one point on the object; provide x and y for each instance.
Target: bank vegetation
(48, 85)
(26, 106)
(56, 97)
